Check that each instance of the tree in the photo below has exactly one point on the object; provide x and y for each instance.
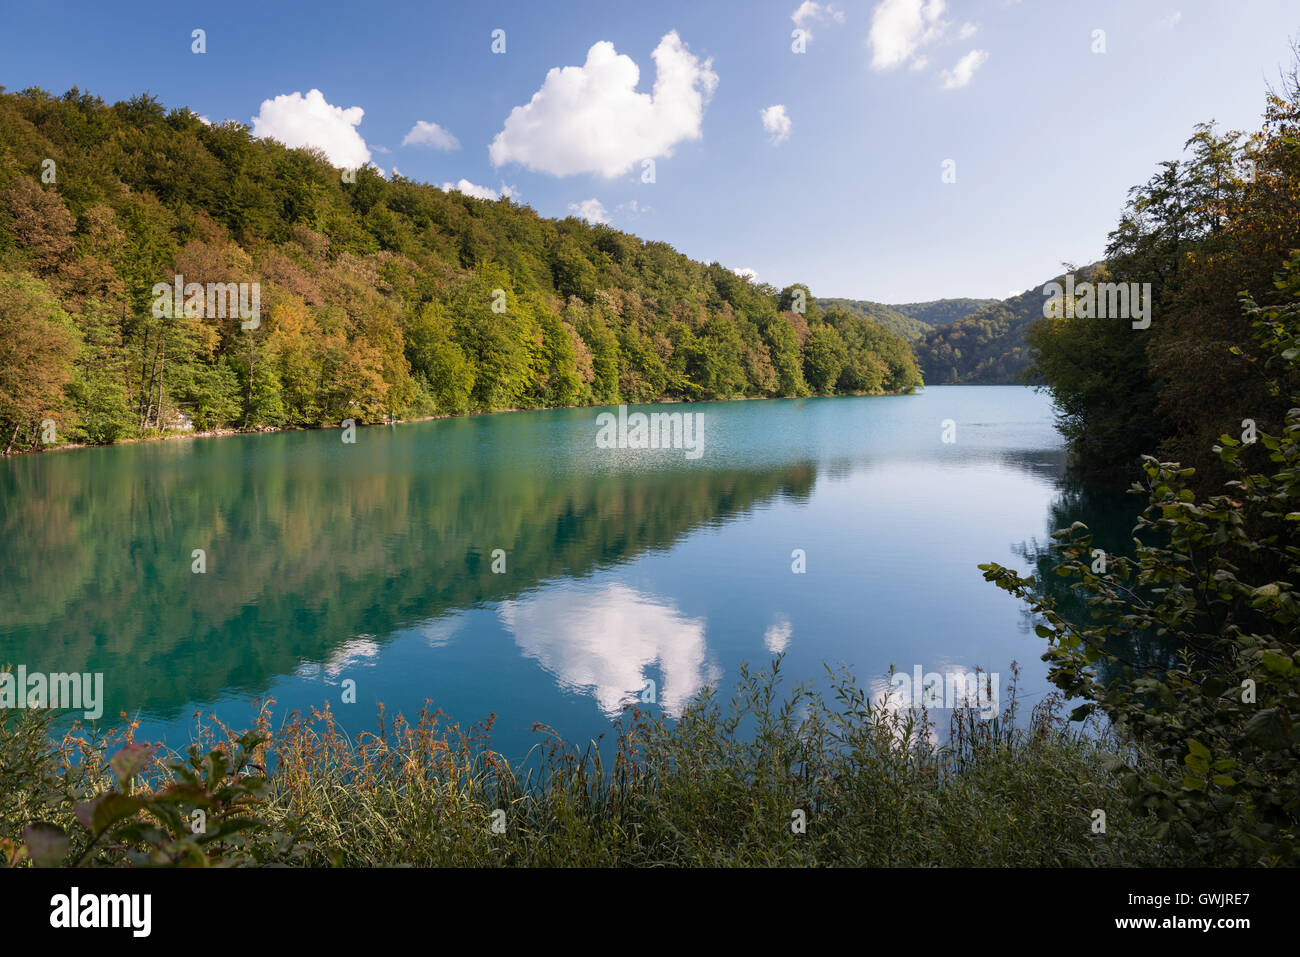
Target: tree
(1201, 230)
(558, 382)
(216, 396)
(796, 296)
(438, 359)
(37, 349)
(495, 327)
(824, 358)
(98, 387)
(41, 223)
(603, 345)
(783, 347)
(1218, 578)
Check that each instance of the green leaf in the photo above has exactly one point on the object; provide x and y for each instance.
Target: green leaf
(1197, 763)
(113, 807)
(1276, 663)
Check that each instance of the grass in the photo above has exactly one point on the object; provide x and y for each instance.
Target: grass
(872, 784)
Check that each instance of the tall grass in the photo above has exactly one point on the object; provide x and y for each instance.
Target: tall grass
(771, 779)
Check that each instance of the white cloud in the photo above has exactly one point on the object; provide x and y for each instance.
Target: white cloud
(296, 120)
(961, 73)
(967, 31)
(591, 119)
(747, 273)
(431, 134)
(776, 122)
(901, 27)
(470, 189)
(1172, 20)
(592, 210)
(808, 11)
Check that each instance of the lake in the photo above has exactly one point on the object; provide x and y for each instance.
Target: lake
(377, 562)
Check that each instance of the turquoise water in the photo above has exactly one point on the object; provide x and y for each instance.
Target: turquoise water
(373, 562)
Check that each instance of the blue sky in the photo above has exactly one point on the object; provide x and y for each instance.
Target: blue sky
(842, 188)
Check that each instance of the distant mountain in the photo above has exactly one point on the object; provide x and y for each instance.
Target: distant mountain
(911, 320)
(942, 312)
(986, 347)
(885, 316)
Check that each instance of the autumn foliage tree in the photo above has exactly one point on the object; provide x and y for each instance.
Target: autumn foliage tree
(37, 348)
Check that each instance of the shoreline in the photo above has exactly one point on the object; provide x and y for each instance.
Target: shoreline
(264, 429)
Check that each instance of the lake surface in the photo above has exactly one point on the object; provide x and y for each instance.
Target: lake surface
(373, 561)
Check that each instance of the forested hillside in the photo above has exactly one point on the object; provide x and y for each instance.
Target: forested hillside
(377, 297)
(941, 312)
(910, 320)
(887, 317)
(986, 347)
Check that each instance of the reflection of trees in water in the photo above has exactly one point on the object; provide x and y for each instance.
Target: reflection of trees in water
(1110, 515)
(1051, 463)
(306, 550)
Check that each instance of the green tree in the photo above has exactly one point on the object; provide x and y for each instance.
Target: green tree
(97, 390)
(824, 358)
(783, 346)
(495, 327)
(1217, 578)
(216, 396)
(558, 383)
(438, 359)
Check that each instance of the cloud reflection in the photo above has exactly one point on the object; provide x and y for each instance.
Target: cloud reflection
(777, 636)
(603, 640)
(363, 649)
